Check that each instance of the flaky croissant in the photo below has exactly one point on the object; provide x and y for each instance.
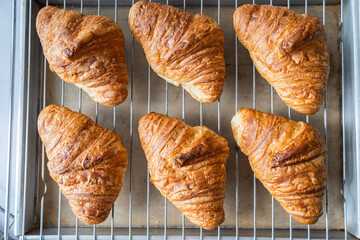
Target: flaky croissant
(289, 51)
(287, 157)
(85, 50)
(183, 49)
(87, 161)
(187, 165)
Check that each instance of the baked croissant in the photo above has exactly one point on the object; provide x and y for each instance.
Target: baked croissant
(287, 157)
(183, 49)
(289, 51)
(87, 161)
(85, 50)
(187, 165)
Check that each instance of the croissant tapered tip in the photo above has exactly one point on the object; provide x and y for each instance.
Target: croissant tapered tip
(147, 116)
(44, 112)
(306, 220)
(220, 220)
(147, 123)
(308, 109)
(43, 18)
(238, 118)
(46, 9)
(134, 10)
(246, 110)
(119, 96)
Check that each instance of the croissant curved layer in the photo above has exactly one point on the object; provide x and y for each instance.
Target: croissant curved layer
(287, 157)
(87, 51)
(289, 51)
(183, 49)
(87, 161)
(187, 165)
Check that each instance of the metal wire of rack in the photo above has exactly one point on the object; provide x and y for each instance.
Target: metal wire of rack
(130, 233)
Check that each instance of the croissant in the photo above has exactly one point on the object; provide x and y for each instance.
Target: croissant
(183, 49)
(87, 51)
(287, 157)
(289, 51)
(187, 165)
(87, 161)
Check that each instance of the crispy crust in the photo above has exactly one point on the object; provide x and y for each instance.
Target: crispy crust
(87, 161)
(85, 50)
(187, 165)
(289, 51)
(287, 157)
(183, 49)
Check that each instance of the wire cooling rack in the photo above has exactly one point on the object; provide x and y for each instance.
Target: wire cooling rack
(30, 224)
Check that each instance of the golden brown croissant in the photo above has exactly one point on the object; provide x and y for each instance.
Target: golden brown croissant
(85, 50)
(183, 49)
(87, 161)
(187, 165)
(289, 51)
(287, 157)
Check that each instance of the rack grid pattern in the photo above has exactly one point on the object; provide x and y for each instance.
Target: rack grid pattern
(9, 218)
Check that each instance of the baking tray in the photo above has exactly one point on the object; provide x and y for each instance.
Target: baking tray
(140, 211)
